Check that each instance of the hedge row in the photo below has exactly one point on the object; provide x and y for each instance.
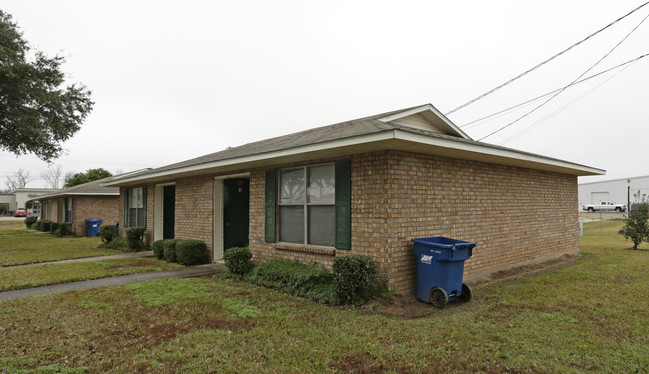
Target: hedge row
(184, 252)
(55, 228)
(352, 280)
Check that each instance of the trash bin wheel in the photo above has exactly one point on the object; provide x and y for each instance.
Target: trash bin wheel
(465, 296)
(438, 297)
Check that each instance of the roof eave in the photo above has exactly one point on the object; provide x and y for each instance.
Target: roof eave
(45, 197)
(393, 139)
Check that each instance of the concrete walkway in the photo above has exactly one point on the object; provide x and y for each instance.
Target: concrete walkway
(86, 259)
(190, 271)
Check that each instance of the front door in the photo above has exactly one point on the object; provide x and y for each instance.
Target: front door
(168, 211)
(236, 202)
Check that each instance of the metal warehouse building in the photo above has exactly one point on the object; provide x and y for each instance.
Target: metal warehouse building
(621, 191)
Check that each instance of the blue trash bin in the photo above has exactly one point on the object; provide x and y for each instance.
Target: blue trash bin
(92, 227)
(440, 269)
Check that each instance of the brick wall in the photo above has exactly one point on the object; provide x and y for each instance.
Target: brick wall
(514, 214)
(97, 207)
(194, 207)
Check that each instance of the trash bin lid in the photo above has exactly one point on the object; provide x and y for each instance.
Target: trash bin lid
(443, 242)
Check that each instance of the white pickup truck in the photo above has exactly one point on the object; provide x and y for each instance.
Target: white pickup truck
(605, 206)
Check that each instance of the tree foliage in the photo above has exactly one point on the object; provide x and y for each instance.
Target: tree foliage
(89, 176)
(37, 112)
(636, 225)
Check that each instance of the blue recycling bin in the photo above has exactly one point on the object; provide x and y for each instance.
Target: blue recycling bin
(440, 269)
(92, 227)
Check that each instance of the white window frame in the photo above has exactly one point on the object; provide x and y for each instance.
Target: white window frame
(305, 204)
(139, 211)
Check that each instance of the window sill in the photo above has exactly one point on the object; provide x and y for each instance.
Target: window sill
(328, 251)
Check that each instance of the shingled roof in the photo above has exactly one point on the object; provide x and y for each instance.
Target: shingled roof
(419, 129)
(95, 188)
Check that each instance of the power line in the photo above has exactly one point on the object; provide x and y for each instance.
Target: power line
(541, 121)
(571, 83)
(544, 62)
(551, 92)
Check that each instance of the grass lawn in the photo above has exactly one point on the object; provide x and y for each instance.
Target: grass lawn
(591, 316)
(36, 276)
(18, 246)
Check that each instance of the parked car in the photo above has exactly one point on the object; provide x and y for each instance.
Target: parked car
(605, 206)
(20, 213)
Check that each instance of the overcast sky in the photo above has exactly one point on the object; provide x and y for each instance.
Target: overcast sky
(173, 80)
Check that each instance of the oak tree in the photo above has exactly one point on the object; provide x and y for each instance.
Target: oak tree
(37, 110)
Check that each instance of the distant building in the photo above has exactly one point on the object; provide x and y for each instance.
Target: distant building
(621, 191)
(19, 198)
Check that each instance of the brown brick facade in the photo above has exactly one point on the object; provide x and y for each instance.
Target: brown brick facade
(194, 207)
(105, 208)
(515, 215)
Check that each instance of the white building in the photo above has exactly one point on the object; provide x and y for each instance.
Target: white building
(17, 199)
(621, 191)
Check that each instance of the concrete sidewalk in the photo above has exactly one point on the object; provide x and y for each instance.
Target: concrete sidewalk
(86, 259)
(190, 271)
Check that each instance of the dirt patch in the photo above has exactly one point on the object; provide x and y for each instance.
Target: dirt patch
(408, 306)
(359, 363)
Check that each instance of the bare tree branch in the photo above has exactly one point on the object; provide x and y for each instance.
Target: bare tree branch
(53, 176)
(18, 180)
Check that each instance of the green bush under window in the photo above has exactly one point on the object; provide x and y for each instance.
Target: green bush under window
(135, 238)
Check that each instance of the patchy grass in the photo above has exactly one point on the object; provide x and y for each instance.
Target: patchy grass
(590, 316)
(42, 275)
(12, 227)
(19, 246)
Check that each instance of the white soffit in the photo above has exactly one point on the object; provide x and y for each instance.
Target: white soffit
(426, 117)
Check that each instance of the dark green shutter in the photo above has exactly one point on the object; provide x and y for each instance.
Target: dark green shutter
(343, 205)
(144, 203)
(271, 196)
(125, 223)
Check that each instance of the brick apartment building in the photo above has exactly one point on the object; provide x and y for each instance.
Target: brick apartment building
(366, 186)
(78, 203)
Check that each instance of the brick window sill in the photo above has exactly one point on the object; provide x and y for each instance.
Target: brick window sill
(328, 251)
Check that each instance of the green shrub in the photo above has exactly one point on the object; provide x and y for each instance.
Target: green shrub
(354, 279)
(118, 243)
(135, 238)
(310, 281)
(54, 226)
(158, 249)
(45, 226)
(66, 229)
(107, 233)
(636, 225)
(191, 252)
(57, 232)
(169, 249)
(237, 260)
(35, 225)
(29, 221)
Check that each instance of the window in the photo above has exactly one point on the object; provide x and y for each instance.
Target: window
(306, 205)
(135, 207)
(68, 210)
(312, 206)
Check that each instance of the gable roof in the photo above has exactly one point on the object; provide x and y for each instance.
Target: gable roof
(94, 188)
(420, 129)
